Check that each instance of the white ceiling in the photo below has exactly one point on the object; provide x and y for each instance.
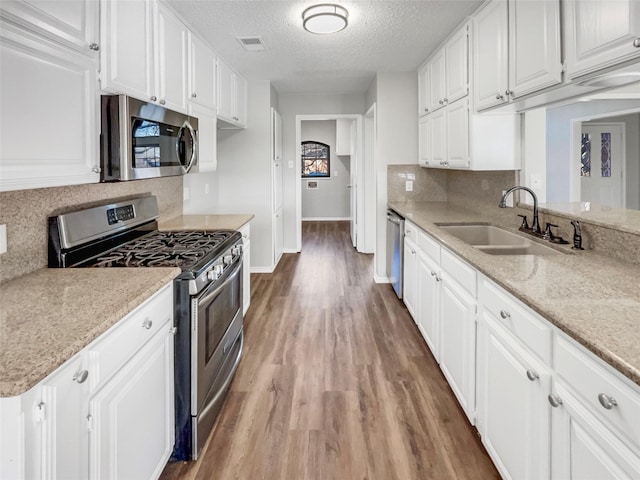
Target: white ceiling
(382, 36)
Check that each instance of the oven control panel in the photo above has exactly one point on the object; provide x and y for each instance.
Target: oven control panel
(120, 214)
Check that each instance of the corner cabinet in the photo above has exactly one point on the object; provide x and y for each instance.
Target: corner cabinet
(231, 97)
(107, 412)
(591, 43)
(52, 89)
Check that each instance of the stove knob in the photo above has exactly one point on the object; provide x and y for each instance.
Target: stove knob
(227, 259)
(212, 275)
(236, 251)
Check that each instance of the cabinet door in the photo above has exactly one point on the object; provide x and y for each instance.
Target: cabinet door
(513, 413)
(458, 341)
(133, 416)
(246, 276)
(65, 395)
(277, 161)
(490, 61)
(226, 84)
(126, 32)
(241, 101)
(600, 34)
(534, 41)
(207, 137)
(410, 277)
(424, 140)
(438, 125)
(49, 117)
(457, 65)
(583, 448)
(437, 79)
(202, 73)
(429, 302)
(278, 236)
(458, 134)
(171, 70)
(277, 136)
(424, 100)
(72, 22)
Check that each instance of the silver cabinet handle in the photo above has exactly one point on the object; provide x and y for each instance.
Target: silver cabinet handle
(508, 92)
(96, 169)
(606, 401)
(81, 376)
(194, 95)
(154, 98)
(162, 102)
(504, 314)
(532, 375)
(147, 324)
(554, 400)
(636, 42)
(94, 46)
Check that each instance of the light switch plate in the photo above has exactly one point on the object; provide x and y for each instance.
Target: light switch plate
(3, 239)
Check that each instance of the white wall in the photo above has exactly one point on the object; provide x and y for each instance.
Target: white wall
(201, 193)
(396, 98)
(244, 172)
(331, 199)
(290, 106)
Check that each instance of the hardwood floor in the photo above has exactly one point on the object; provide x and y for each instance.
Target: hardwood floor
(336, 382)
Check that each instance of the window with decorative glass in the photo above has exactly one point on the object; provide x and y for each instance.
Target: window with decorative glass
(315, 159)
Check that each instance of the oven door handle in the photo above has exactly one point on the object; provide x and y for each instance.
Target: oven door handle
(194, 150)
(234, 273)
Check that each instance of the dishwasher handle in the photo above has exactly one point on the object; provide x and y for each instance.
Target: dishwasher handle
(394, 219)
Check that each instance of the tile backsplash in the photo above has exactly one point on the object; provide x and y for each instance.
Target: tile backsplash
(25, 213)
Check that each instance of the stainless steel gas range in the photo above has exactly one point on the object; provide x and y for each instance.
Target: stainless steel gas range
(208, 297)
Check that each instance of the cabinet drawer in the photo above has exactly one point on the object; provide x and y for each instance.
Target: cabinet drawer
(116, 346)
(516, 317)
(590, 377)
(429, 246)
(459, 271)
(411, 231)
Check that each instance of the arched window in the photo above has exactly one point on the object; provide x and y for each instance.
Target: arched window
(315, 160)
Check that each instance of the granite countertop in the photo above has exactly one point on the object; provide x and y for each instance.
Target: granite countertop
(49, 315)
(595, 299)
(206, 222)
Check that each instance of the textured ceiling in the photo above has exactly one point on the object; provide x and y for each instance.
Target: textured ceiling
(382, 36)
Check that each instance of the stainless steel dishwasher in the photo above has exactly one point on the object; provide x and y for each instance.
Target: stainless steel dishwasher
(395, 250)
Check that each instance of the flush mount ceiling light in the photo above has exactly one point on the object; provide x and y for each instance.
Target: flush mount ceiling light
(325, 18)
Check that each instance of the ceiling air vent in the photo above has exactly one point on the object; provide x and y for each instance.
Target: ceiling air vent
(253, 44)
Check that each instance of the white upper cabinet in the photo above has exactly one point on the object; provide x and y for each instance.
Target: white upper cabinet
(72, 22)
(437, 81)
(534, 40)
(599, 34)
(423, 90)
(49, 117)
(457, 65)
(424, 140)
(207, 137)
(171, 71)
(516, 50)
(231, 96)
(144, 52)
(202, 73)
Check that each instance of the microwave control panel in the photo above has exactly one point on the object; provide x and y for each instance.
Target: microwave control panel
(120, 214)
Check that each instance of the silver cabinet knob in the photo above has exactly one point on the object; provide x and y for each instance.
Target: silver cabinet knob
(147, 324)
(504, 314)
(440, 102)
(154, 98)
(194, 95)
(508, 92)
(94, 46)
(162, 102)
(554, 400)
(81, 376)
(636, 42)
(606, 401)
(532, 375)
(96, 169)
(499, 97)
(446, 100)
(426, 109)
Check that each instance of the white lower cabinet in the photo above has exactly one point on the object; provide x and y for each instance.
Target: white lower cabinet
(545, 407)
(246, 267)
(106, 413)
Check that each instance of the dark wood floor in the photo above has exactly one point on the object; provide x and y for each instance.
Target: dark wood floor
(335, 382)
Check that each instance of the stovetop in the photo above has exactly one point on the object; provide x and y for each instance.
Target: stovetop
(184, 249)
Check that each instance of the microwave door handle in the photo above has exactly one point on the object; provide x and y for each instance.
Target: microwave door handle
(192, 160)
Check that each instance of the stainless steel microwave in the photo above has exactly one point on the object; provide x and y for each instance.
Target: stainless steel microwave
(144, 140)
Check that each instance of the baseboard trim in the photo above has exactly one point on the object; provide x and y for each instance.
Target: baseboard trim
(379, 279)
(263, 269)
(290, 250)
(326, 219)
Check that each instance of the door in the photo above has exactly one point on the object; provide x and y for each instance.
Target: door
(429, 302)
(353, 184)
(602, 159)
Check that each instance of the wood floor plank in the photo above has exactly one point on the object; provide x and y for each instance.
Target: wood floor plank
(335, 382)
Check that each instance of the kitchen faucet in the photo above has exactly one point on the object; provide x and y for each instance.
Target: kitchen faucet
(535, 226)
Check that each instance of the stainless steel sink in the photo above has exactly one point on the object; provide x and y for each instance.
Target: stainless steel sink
(495, 240)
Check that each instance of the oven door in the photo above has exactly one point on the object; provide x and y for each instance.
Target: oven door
(216, 342)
